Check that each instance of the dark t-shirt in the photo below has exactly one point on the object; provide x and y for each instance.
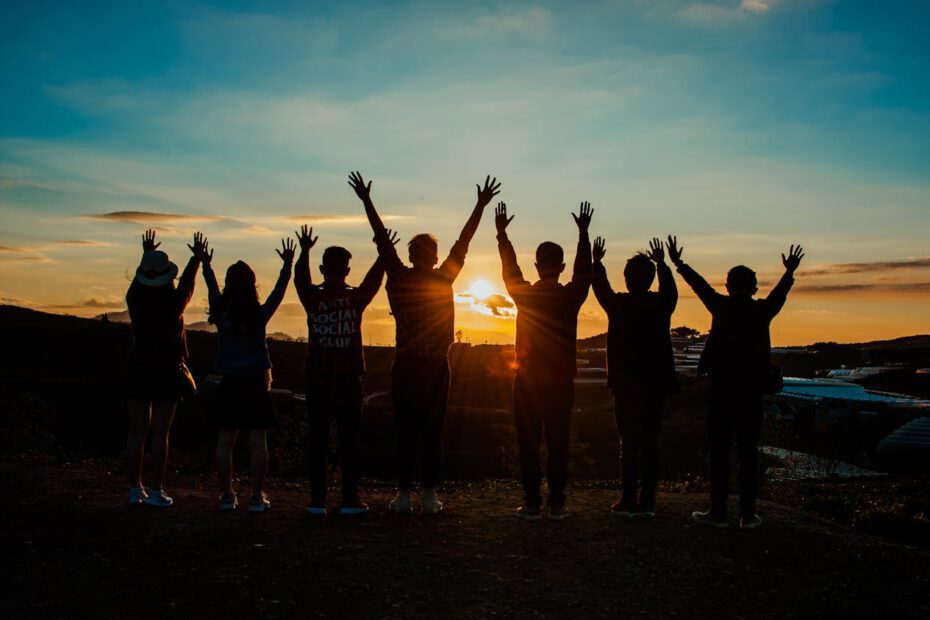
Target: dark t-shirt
(739, 346)
(334, 323)
(639, 345)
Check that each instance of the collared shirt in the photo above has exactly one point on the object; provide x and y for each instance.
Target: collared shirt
(422, 301)
(547, 314)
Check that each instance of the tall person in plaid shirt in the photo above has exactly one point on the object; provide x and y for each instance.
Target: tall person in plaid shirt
(335, 365)
(544, 389)
(421, 300)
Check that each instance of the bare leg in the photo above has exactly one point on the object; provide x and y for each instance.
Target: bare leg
(162, 416)
(224, 456)
(259, 445)
(139, 416)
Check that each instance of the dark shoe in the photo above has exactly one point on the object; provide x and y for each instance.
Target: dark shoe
(750, 523)
(259, 503)
(706, 518)
(228, 502)
(529, 512)
(317, 509)
(557, 512)
(624, 509)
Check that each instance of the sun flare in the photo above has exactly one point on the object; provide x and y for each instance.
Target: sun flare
(480, 289)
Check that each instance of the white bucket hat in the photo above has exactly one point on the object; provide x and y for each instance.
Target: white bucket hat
(155, 269)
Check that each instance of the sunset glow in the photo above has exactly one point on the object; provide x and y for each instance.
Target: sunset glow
(696, 119)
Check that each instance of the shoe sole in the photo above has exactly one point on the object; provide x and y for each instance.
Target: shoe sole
(560, 517)
(623, 514)
(259, 508)
(432, 511)
(316, 512)
(158, 505)
(719, 526)
(352, 512)
(227, 508)
(400, 511)
(531, 518)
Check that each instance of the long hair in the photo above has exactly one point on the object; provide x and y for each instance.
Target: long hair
(238, 306)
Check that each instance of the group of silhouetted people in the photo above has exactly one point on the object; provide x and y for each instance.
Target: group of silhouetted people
(640, 364)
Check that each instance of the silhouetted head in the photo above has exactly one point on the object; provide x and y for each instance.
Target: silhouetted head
(639, 273)
(239, 299)
(335, 265)
(549, 260)
(424, 251)
(741, 282)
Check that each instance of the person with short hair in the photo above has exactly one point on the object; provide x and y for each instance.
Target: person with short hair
(640, 368)
(547, 330)
(423, 306)
(244, 398)
(737, 357)
(335, 365)
(154, 380)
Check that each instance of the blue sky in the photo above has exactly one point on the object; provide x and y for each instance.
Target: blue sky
(740, 126)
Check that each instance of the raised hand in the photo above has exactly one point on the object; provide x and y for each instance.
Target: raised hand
(599, 249)
(500, 218)
(583, 219)
(656, 251)
(491, 189)
(287, 250)
(791, 262)
(357, 183)
(305, 238)
(201, 248)
(391, 236)
(674, 252)
(148, 241)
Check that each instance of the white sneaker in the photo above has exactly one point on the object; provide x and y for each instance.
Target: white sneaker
(750, 524)
(431, 503)
(401, 504)
(137, 495)
(159, 498)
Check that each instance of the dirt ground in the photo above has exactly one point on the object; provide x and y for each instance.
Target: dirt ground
(72, 549)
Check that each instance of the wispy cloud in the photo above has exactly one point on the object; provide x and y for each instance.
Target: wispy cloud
(872, 287)
(82, 243)
(866, 267)
(337, 219)
(149, 217)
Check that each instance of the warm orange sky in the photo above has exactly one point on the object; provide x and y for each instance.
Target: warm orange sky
(741, 126)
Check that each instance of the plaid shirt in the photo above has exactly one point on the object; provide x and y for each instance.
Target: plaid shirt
(547, 314)
(422, 301)
(334, 323)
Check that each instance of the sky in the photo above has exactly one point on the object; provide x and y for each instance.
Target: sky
(741, 126)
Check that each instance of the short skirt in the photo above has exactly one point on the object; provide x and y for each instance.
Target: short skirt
(153, 382)
(243, 402)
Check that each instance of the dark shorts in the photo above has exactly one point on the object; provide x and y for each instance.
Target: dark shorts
(153, 382)
(244, 403)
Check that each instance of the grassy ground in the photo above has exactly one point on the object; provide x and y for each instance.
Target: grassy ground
(72, 549)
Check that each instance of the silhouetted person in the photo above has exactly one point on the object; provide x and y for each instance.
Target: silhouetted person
(544, 388)
(154, 380)
(244, 397)
(335, 365)
(421, 301)
(640, 367)
(737, 356)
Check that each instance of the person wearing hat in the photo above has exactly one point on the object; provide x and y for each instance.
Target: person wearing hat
(154, 379)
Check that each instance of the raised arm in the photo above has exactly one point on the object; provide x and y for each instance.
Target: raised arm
(513, 276)
(213, 288)
(581, 272)
(383, 237)
(600, 283)
(367, 290)
(185, 289)
(456, 259)
(668, 291)
(776, 299)
(705, 292)
(277, 294)
(302, 276)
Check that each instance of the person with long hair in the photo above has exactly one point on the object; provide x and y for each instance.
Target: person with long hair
(155, 372)
(244, 400)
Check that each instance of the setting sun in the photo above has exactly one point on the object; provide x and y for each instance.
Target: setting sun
(480, 289)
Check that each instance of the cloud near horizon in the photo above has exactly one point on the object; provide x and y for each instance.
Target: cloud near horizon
(151, 217)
